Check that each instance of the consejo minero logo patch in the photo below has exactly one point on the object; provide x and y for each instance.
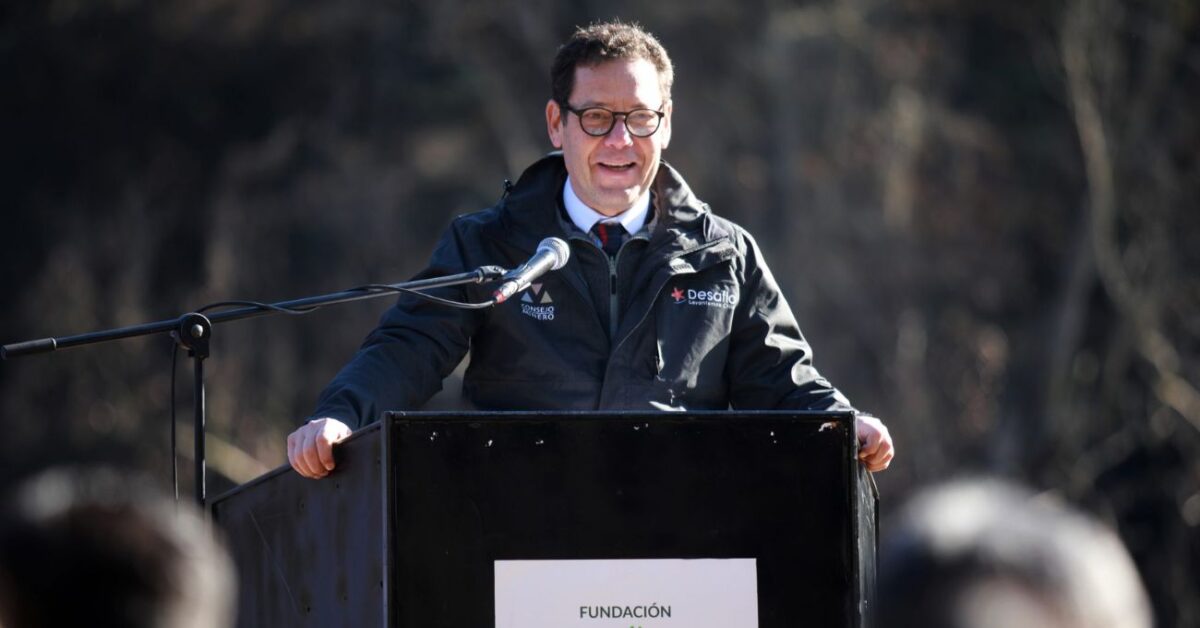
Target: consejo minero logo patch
(537, 304)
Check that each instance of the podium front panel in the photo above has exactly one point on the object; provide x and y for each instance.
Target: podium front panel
(781, 489)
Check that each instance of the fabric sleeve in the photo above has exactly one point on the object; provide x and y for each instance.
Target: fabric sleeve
(770, 363)
(403, 361)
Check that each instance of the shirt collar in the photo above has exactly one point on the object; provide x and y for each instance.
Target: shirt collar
(585, 217)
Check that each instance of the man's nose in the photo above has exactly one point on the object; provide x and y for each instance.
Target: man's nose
(619, 135)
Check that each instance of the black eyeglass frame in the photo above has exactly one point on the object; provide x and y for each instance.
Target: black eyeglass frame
(613, 121)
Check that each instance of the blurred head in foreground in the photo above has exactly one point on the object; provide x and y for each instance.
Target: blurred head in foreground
(987, 554)
(102, 549)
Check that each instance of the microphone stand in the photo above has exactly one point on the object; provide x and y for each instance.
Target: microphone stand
(193, 331)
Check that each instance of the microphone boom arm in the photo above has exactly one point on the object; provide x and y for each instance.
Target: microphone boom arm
(306, 304)
(193, 331)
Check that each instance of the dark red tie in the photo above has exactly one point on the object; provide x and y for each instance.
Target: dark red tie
(611, 235)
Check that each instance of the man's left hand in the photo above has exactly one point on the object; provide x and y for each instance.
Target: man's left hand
(874, 443)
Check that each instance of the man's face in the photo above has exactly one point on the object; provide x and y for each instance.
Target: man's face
(609, 173)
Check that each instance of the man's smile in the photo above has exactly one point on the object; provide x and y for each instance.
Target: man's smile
(617, 165)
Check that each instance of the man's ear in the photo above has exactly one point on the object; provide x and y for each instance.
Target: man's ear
(554, 125)
(666, 123)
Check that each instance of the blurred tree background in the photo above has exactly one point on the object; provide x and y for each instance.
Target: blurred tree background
(979, 212)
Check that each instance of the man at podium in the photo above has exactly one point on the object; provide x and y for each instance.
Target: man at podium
(663, 305)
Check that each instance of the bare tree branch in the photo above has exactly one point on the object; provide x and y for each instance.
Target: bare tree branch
(1139, 311)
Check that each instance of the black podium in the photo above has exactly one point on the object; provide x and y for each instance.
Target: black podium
(407, 530)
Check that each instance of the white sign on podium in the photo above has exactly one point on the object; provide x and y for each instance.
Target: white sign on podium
(639, 593)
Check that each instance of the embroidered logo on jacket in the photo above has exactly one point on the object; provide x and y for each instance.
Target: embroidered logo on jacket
(722, 298)
(537, 304)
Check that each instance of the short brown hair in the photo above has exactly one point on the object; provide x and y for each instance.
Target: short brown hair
(607, 41)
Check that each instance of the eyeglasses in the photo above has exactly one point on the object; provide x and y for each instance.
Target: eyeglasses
(598, 121)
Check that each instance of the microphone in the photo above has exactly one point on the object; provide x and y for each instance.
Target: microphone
(552, 254)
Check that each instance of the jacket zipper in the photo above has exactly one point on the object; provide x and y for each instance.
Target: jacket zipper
(613, 305)
(612, 292)
(613, 262)
(612, 281)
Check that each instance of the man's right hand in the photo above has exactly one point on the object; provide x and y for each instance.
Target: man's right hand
(310, 448)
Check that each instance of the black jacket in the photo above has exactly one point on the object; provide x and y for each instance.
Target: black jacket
(687, 318)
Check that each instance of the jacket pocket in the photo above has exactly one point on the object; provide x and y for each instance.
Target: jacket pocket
(693, 322)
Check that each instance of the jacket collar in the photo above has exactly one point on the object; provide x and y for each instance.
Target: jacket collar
(529, 212)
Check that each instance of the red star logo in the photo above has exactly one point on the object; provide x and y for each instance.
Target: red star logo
(677, 294)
